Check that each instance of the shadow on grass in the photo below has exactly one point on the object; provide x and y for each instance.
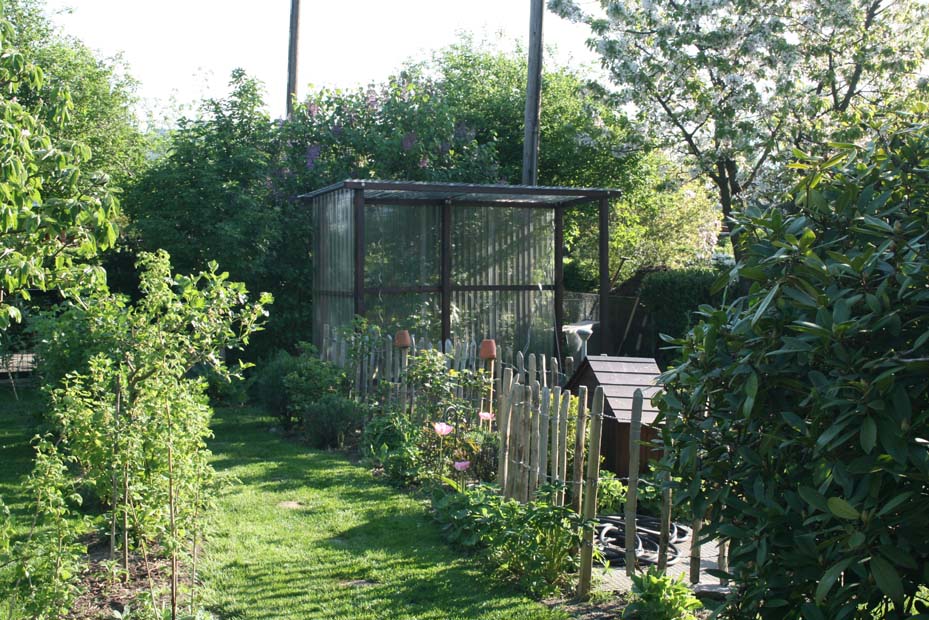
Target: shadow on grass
(350, 546)
(18, 425)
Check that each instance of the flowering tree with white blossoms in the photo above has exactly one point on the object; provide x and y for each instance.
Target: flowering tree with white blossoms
(737, 84)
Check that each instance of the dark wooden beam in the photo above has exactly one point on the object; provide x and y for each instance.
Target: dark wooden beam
(605, 338)
(358, 201)
(559, 279)
(446, 280)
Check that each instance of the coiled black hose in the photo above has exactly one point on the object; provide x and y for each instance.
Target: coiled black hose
(611, 539)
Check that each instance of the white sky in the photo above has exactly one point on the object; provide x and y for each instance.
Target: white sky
(186, 49)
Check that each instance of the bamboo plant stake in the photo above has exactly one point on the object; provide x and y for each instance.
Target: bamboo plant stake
(577, 478)
(590, 497)
(635, 432)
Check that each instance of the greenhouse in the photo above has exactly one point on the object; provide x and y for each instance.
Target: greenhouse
(450, 261)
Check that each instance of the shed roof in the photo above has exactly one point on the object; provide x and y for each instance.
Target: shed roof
(620, 377)
(411, 192)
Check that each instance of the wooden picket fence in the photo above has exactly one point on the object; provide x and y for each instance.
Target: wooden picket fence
(534, 422)
(378, 364)
(533, 414)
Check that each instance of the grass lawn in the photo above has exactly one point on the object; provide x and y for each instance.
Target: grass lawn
(303, 534)
(307, 534)
(17, 428)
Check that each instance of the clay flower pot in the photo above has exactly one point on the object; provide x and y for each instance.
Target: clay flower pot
(488, 350)
(402, 339)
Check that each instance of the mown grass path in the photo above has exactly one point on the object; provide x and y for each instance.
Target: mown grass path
(307, 534)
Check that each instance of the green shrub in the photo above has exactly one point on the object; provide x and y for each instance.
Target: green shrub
(267, 386)
(798, 411)
(656, 596)
(532, 544)
(307, 380)
(392, 441)
(329, 421)
(670, 298)
(611, 494)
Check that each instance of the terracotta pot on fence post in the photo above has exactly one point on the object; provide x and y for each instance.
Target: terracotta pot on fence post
(403, 341)
(488, 352)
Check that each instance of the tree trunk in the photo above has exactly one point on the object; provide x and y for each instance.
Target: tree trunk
(726, 180)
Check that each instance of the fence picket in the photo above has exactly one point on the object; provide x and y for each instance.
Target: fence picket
(590, 498)
(635, 432)
(534, 447)
(577, 478)
(563, 444)
(553, 434)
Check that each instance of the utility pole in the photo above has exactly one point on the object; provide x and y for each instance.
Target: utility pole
(533, 95)
(292, 56)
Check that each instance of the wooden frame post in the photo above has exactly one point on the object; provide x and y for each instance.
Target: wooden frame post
(605, 338)
(446, 275)
(559, 278)
(358, 202)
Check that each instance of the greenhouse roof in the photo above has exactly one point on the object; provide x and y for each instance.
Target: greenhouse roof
(412, 192)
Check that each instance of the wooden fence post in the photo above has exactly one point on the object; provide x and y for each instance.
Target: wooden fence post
(534, 441)
(590, 497)
(568, 367)
(553, 435)
(635, 433)
(723, 560)
(695, 549)
(525, 443)
(665, 521)
(503, 427)
(665, 532)
(544, 422)
(577, 478)
(513, 471)
(563, 444)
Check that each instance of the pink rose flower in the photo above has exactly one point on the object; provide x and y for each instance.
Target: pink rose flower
(486, 416)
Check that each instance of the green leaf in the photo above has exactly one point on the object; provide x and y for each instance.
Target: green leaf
(841, 508)
(829, 578)
(887, 578)
(814, 498)
(760, 310)
(868, 435)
